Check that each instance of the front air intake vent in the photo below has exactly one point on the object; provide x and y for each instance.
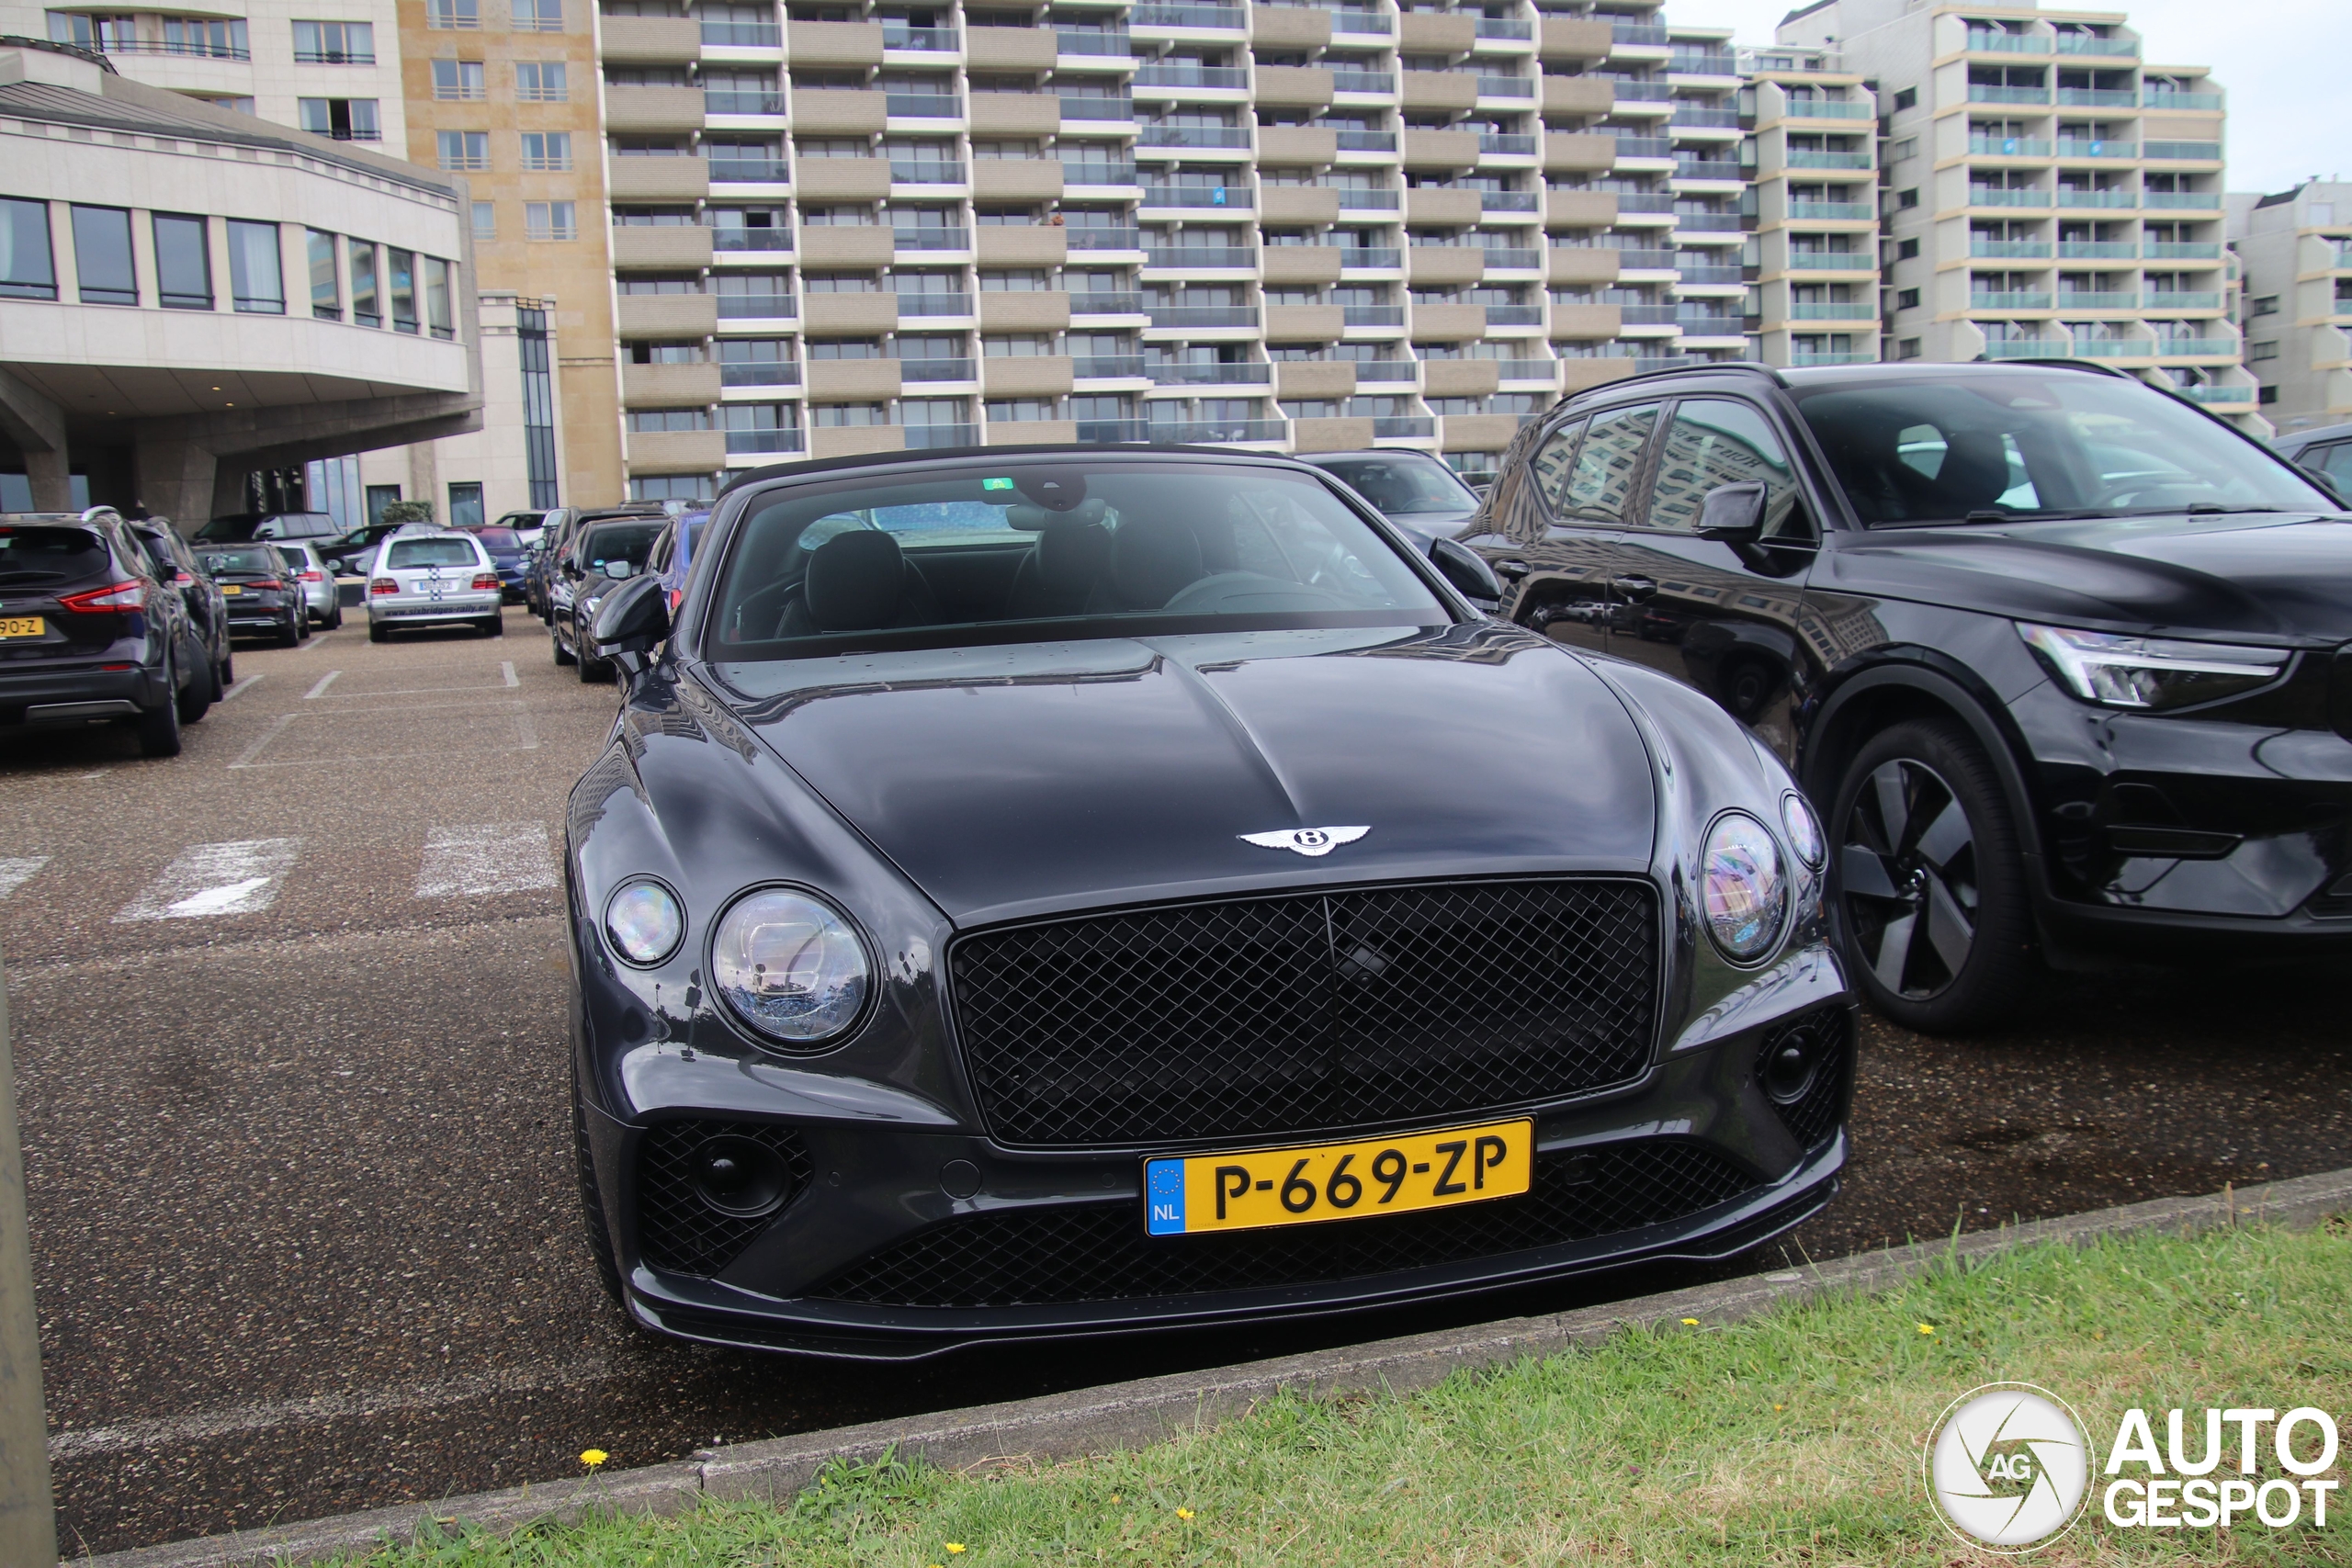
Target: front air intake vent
(705, 1188)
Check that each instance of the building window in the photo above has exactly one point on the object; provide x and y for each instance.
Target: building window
(378, 497)
(663, 421)
(2255, 351)
(1906, 148)
(2266, 394)
(549, 220)
(326, 294)
(1018, 410)
(256, 277)
(464, 505)
(463, 149)
(183, 262)
(401, 266)
(455, 16)
(440, 298)
(365, 309)
(102, 256)
(547, 151)
(1906, 98)
(2267, 305)
(344, 119)
(456, 80)
(1906, 299)
(485, 220)
(27, 271)
(538, 404)
(1906, 348)
(1907, 250)
(541, 82)
(539, 16)
(1906, 200)
(670, 487)
(335, 43)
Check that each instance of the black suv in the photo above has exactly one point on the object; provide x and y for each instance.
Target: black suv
(2067, 659)
(92, 628)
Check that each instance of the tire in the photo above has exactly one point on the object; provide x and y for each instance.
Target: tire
(1933, 919)
(290, 634)
(334, 621)
(493, 626)
(562, 654)
(218, 665)
(195, 699)
(228, 670)
(159, 727)
(379, 632)
(592, 1203)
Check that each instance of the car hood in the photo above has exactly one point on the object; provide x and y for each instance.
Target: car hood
(1010, 781)
(2284, 577)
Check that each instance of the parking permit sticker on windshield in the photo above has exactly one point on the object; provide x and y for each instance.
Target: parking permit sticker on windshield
(996, 484)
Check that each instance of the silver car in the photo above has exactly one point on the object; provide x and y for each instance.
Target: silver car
(318, 593)
(433, 579)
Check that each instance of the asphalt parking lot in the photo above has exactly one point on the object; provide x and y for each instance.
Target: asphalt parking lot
(289, 1017)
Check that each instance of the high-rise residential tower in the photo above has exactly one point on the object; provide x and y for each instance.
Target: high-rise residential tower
(1812, 199)
(2296, 249)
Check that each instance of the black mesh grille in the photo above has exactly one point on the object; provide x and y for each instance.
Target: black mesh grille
(1304, 1012)
(1025, 1256)
(1813, 1115)
(677, 1229)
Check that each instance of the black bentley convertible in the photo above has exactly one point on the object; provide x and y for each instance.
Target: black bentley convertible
(1049, 892)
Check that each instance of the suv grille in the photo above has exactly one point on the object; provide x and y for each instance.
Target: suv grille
(1294, 1013)
(1025, 1256)
(678, 1229)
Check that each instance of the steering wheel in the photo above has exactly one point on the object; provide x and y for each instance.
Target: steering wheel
(1241, 591)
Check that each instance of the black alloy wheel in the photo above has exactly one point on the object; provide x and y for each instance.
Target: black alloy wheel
(1933, 920)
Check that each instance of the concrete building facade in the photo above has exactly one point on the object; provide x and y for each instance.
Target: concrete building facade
(189, 294)
(2295, 250)
(2048, 192)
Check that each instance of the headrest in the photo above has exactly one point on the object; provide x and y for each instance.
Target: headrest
(856, 581)
(1975, 470)
(1071, 553)
(1151, 559)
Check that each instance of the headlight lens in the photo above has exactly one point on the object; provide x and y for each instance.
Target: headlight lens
(2150, 673)
(1805, 830)
(790, 966)
(645, 921)
(1742, 889)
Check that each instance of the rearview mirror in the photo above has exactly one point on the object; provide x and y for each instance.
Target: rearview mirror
(632, 618)
(1466, 569)
(1732, 514)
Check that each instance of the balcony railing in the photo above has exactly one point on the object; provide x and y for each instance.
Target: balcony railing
(1806, 357)
(719, 100)
(1499, 144)
(1703, 63)
(2111, 348)
(2216, 394)
(1637, 260)
(2180, 299)
(2068, 196)
(1644, 92)
(2109, 48)
(1720, 120)
(2009, 300)
(761, 373)
(1370, 258)
(1707, 323)
(1111, 432)
(1202, 315)
(1489, 27)
(1645, 147)
(935, 370)
(1384, 372)
(1363, 81)
(1514, 315)
(1402, 427)
(1636, 32)
(1163, 16)
(189, 49)
(1646, 315)
(1371, 316)
(2008, 147)
(1819, 210)
(2097, 300)
(1834, 310)
(1201, 256)
(1098, 108)
(1500, 256)
(1107, 367)
(1211, 375)
(2029, 348)
(2177, 152)
(2001, 195)
(1370, 200)
(743, 35)
(1190, 135)
(1197, 196)
(1098, 174)
(1707, 222)
(1829, 108)
(1707, 169)
(934, 305)
(1105, 239)
(743, 307)
(2170, 250)
(765, 441)
(1219, 76)
(1349, 19)
(922, 106)
(1106, 304)
(1216, 431)
(931, 239)
(2101, 149)
(1693, 273)
(2192, 200)
(1508, 201)
(1983, 41)
(1983, 93)
(1367, 140)
(927, 437)
(2095, 249)
(1506, 88)
(942, 40)
(1804, 159)
(925, 171)
(2186, 347)
(1847, 260)
(749, 171)
(2022, 249)
(2157, 99)
(1110, 43)
(1646, 202)
(1528, 369)
(733, 238)
(2093, 97)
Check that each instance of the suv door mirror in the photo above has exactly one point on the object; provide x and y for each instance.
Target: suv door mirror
(2325, 480)
(1732, 514)
(1466, 569)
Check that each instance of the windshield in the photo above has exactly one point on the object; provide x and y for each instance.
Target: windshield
(248, 563)
(1119, 549)
(612, 543)
(498, 538)
(2028, 444)
(1402, 485)
(406, 553)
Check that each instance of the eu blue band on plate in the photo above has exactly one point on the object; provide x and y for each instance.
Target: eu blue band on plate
(1164, 1191)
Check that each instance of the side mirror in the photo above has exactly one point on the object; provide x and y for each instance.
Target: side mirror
(632, 618)
(1734, 513)
(1466, 569)
(2325, 480)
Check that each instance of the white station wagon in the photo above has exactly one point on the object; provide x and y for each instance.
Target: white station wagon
(426, 580)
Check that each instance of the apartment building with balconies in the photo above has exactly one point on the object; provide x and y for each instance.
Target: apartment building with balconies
(1812, 251)
(862, 225)
(2295, 250)
(2046, 191)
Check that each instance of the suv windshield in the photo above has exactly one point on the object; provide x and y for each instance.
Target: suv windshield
(1403, 486)
(1122, 548)
(2036, 444)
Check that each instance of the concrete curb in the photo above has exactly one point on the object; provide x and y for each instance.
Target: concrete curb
(1064, 1426)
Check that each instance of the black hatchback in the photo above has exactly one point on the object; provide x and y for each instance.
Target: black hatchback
(262, 590)
(2067, 661)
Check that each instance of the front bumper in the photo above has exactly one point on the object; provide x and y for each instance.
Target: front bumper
(76, 694)
(873, 1256)
(418, 609)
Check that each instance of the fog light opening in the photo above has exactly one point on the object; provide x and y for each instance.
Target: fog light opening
(1789, 1066)
(736, 1176)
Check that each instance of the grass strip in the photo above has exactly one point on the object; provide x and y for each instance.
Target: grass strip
(1793, 1438)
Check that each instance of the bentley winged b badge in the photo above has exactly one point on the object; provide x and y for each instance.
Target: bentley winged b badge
(1307, 841)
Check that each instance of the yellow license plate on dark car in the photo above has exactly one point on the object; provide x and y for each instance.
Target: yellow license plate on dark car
(22, 626)
(1256, 1189)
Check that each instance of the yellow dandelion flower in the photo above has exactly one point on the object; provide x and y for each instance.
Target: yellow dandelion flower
(1780, 1407)
(592, 1457)
(955, 1549)
(1183, 1512)
(1691, 1323)
(1116, 1498)
(1927, 1328)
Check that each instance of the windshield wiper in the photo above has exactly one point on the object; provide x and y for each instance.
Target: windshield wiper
(2215, 509)
(2036, 516)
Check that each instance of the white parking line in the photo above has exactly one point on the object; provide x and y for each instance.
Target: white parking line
(18, 870)
(245, 757)
(239, 687)
(239, 878)
(508, 665)
(320, 689)
(485, 857)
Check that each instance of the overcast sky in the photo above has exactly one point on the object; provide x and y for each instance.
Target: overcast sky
(2282, 62)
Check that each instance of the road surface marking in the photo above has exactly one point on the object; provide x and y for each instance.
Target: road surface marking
(320, 689)
(508, 665)
(239, 687)
(16, 871)
(240, 878)
(485, 857)
(261, 743)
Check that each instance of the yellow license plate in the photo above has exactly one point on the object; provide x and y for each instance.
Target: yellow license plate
(230, 589)
(22, 626)
(1259, 1187)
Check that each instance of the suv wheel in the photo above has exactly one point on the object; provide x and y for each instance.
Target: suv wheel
(290, 634)
(195, 697)
(1932, 917)
(592, 1202)
(159, 727)
(562, 654)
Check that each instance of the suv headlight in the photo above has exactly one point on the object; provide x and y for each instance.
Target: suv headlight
(2151, 672)
(1743, 891)
(790, 966)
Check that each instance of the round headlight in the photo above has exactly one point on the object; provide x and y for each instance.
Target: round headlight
(790, 966)
(644, 922)
(1805, 830)
(1741, 886)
